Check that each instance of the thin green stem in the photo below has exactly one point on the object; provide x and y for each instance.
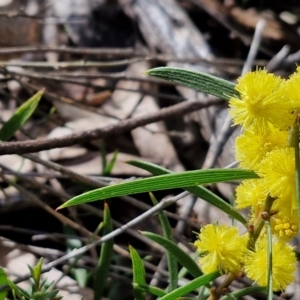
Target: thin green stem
(297, 162)
(270, 260)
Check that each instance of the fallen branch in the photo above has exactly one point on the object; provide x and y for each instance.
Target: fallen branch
(90, 135)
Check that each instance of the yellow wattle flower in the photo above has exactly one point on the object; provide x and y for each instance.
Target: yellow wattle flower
(291, 88)
(283, 264)
(278, 173)
(222, 249)
(251, 147)
(262, 102)
(251, 192)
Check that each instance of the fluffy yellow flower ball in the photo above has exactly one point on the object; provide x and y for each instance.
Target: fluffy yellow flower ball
(222, 249)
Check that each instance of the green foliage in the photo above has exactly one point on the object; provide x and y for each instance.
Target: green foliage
(199, 191)
(109, 167)
(153, 290)
(20, 117)
(191, 286)
(162, 182)
(40, 290)
(138, 275)
(200, 81)
(3, 281)
(106, 252)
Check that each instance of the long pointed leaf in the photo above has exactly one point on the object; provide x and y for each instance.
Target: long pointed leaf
(199, 191)
(153, 290)
(200, 81)
(3, 281)
(20, 117)
(104, 258)
(139, 274)
(183, 271)
(109, 167)
(191, 286)
(18, 290)
(162, 182)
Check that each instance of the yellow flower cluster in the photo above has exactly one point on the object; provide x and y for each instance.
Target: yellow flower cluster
(266, 109)
(223, 249)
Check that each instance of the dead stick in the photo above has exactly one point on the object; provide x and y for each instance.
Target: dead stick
(89, 135)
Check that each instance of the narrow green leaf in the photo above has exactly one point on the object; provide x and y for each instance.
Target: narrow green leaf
(183, 258)
(18, 290)
(139, 274)
(167, 231)
(108, 168)
(182, 273)
(53, 295)
(162, 182)
(200, 81)
(199, 191)
(190, 298)
(153, 290)
(36, 272)
(20, 117)
(191, 286)
(137, 266)
(105, 256)
(14, 288)
(246, 291)
(3, 281)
